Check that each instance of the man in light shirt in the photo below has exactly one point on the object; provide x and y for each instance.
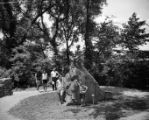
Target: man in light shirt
(54, 76)
(44, 80)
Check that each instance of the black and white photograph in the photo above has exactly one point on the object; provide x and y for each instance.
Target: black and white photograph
(74, 59)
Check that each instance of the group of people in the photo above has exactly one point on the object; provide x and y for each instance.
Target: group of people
(75, 88)
(42, 78)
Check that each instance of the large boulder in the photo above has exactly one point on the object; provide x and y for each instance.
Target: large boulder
(94, 93)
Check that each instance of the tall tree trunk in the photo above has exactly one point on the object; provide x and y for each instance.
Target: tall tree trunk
(88, 43)
(67, 37)
(67, 52)
(53, 42)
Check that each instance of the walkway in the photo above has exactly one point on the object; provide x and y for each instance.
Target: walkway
(6, 103)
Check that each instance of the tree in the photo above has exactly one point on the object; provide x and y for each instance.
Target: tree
(27, 36)
(18, 23)
(133, 33)
(107, 37)
(57, 14)
(8, 28)
(21, 65)
(69, 30)
(93, 8)
(7, 21)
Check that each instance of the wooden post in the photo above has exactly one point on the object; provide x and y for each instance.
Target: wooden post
(93, 98)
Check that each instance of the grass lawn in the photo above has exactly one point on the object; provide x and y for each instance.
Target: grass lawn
(46, 106)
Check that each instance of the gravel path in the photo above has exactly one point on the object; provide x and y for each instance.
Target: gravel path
(6, 103)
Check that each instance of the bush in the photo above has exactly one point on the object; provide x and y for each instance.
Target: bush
(125, 74)
(139, 75)
(4, 73)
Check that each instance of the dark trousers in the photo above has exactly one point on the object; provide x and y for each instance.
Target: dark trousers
(38, 84)
(45, 84)
(54, 79)
(62, 96)
(82, 97)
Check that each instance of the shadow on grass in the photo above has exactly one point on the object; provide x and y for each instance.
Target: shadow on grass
(75, 111)
(120, 108)
(111, 112)
(137, 104)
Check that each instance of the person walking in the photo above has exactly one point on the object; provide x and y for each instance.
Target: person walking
(44, 80)
(54, 76)
(61, 89)
(38, 77)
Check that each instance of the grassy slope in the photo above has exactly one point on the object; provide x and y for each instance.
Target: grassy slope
(47, 107)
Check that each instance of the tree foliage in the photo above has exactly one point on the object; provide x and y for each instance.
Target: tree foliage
(93, 8)
(33, 43)
(133, 33)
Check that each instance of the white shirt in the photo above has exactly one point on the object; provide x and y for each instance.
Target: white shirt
(59, 84)
(44, 76)
(54, 74)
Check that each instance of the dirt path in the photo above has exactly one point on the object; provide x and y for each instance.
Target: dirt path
(6, 103)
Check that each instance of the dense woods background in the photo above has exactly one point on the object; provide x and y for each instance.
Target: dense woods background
(30, 43)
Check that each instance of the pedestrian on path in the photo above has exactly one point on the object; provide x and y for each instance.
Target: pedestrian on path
(54, 76)
(38, 78)
(44, 80)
